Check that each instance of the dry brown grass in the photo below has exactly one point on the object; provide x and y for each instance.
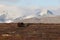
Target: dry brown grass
(34, 31)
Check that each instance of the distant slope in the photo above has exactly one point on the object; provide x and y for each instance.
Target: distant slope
(55, 19)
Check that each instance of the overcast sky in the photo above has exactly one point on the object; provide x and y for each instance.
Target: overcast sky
(28, 3)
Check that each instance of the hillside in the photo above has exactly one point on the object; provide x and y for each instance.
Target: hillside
(40, 19)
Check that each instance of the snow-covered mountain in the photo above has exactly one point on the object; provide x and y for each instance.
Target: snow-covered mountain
(46, 12)
(13, 14)
(34, 18)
